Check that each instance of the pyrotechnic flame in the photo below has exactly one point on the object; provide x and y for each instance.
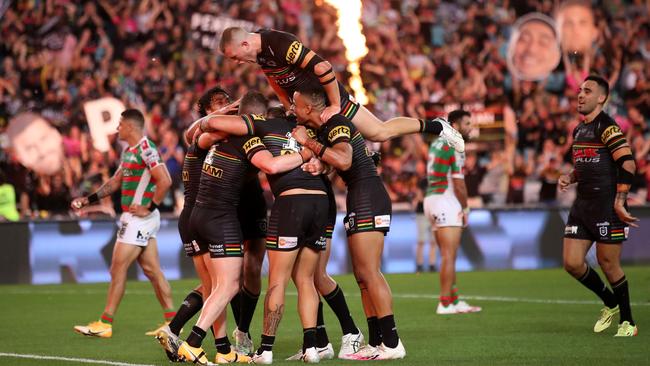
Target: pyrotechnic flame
(349, 30)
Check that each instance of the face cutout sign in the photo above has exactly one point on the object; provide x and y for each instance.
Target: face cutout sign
(533, 49)
(38, 145)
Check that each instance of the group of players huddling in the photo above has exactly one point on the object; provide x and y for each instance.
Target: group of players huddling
(319, 130)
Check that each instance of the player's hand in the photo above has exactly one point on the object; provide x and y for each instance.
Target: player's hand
(313, 167)
(622, 212)
(329, 111)
(231, 108)
(464, 216)
(139, 210)
(299, 133)
(564, 182)
(79, 203)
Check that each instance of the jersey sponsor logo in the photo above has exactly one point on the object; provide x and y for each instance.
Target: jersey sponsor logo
(610, 132)
(440, 218)
(212, 171)
(291, 146)
(120, 234)
(285, 80)
(258, 117)
(586, 155)
(186, 176)
(349, 221)
(382, 221)
(321, 243)
(141, 237)
(311, 133)
(570, 230)
(287, 242)
(626, 231)
(252, 143)
(293, 52)
(340, 131)
(216, 249)
(195, 246)
(150, 156)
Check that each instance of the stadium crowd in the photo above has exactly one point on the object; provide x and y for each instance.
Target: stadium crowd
(58, 54)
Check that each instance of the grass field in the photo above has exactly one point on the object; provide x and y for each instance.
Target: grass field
(529, 318)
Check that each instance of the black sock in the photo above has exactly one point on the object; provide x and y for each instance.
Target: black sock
(235, 305)
(430, 126)
(222, 345)
(248, 302)
(336, 301)
(266, 344)
(388, 331)
(374, 334)
(196, 337)
(191, 305)
(321, 333)
(622, 294)
(592, 281)
(308, 338)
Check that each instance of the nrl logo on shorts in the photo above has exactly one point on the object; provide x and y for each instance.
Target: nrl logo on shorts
(602, 228)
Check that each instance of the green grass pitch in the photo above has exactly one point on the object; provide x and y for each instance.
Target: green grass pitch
(529, 318)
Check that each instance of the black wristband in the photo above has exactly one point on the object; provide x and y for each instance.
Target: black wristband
(321, 152)
(153, 206)
(93, 198)
(625, 177)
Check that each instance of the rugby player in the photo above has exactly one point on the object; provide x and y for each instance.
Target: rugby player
(215, 223)
(144, 182)
(215, 100)
(604, 169)
(445, 205)
(326, 286)
(288, 65)
(368, 217)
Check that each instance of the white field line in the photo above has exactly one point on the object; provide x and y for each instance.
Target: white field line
(348, 294)
(70, 359)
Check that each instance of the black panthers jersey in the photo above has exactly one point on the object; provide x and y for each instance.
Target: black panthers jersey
(223, 173)
(281, 56)
(593, 146)
(274, 135)
(192, 173)
(339, 129)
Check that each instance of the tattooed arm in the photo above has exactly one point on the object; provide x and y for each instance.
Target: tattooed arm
(112, 185)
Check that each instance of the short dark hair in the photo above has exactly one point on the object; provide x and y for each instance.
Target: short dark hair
(604, 85)
(456, 115)
(276, 112)
(316, 96)
(135, 116)
(206, 99)
(253, 102)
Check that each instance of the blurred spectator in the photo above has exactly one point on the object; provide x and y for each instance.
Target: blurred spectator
(8, 210)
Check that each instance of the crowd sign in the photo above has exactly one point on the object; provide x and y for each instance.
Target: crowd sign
(207, 28)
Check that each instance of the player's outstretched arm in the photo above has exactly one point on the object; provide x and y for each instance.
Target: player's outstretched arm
(225, 110)
(232, 125)
(269, 164)
(111, 185)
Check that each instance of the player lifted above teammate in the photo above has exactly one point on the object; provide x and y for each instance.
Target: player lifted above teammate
(604, 170)
(288, 65)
